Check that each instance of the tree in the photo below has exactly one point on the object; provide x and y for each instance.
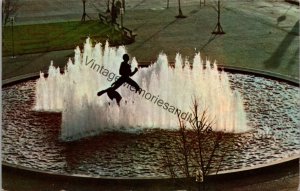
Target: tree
(84, 13)
(218, 29)
(113, 12)
(202, 2)
(180, 15)
(9, 8)
(107, 6)
(197, 151)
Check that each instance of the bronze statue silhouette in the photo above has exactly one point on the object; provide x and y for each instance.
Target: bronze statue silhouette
(125, 72)
(112, 94)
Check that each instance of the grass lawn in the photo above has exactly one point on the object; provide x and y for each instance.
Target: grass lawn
(55, 36)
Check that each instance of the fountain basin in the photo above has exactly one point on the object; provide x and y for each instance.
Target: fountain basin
(30, 138)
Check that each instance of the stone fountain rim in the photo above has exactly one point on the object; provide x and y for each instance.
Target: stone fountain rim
(233, 172)
(277, 77)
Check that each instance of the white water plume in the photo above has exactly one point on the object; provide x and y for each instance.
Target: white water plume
(74, 93)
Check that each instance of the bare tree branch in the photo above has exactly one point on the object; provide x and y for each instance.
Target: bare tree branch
(198, 147)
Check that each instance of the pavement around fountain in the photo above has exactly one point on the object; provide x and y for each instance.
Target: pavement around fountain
(262, 35)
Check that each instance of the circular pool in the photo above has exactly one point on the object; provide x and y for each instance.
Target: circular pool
(31, 139)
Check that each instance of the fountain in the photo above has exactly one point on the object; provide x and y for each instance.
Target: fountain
(58, 124)
(166, 93)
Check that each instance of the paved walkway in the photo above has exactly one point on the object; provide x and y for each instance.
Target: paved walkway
(255, 36)
(262, 35)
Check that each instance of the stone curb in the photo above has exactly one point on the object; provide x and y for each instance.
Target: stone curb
(291, 162)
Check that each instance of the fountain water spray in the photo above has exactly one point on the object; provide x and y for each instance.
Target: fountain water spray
(74, 93)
